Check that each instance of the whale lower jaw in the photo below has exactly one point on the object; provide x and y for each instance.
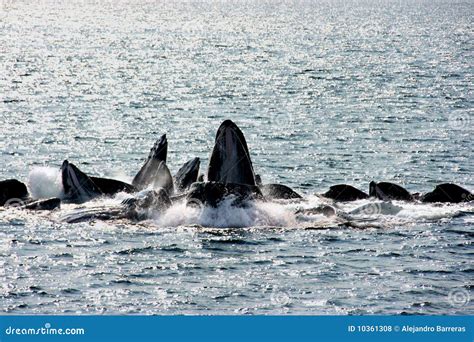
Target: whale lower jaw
(212, 193)
(230, 159)
(77, 186)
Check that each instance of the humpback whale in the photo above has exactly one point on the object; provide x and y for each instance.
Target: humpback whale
(150, 170)
(79, 187)
(137, 208)
(12, 189)
(389, 191)
(230, 170)
(230, 174)
(230, 159)
(143, 204)
(345, 193)
(276, 191)
(187, 174)
(448, 192)
(14, 192)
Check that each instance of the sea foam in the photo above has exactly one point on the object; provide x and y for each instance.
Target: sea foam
(45, 182)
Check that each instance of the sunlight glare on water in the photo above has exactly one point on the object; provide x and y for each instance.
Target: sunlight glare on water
(325, 92)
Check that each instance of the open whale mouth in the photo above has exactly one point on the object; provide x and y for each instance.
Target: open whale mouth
(230, 159)
(149, 172)
(187, 174)
(78, 187)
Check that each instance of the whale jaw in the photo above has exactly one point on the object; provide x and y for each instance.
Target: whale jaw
(187, 174)
(148, 172)
(77, 186)
(230, 159)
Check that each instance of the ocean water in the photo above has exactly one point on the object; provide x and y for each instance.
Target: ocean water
(325, 92)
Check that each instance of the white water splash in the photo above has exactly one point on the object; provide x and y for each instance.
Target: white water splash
(45, 182)
(228, 215)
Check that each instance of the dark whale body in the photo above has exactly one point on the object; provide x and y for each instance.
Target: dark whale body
(12, 189)
(389, 191)
(79, 187)
(230, 159)
(187, 174)
(278, 191)
(345, 193)
(43, 204)
(137, 208)
(448, 192)
(230, 171)
(212, 193)
(150, 170)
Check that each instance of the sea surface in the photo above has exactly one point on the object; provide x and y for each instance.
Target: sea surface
(326, 92)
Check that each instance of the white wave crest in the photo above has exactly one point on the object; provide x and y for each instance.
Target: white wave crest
(228, 215)
(45, 182)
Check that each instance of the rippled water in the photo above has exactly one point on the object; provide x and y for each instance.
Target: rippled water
(325, 93)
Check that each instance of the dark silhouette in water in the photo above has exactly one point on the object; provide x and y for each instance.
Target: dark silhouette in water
(230, 159)
(389, 191)
(230, 173)
(150, 170)
(187, 174)
(12, 189)
(344, 193)
(448, 192)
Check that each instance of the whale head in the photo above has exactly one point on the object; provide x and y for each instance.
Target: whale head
(77, 186)
(187, 174)
(149, 170)
(230, 159)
